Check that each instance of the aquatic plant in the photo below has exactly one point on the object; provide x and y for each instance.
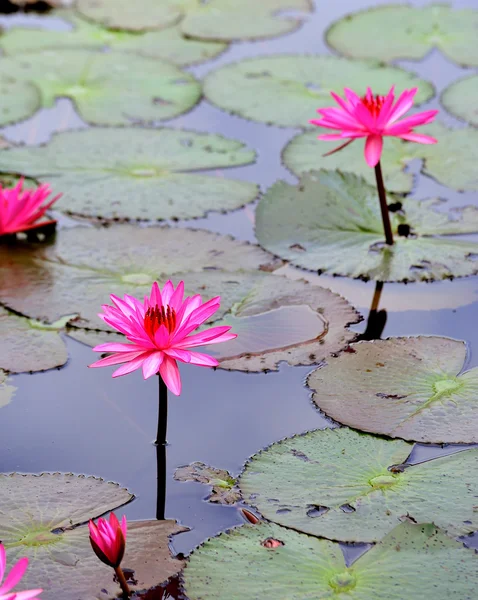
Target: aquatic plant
(14, 577)
(372, 117)
(21, 210)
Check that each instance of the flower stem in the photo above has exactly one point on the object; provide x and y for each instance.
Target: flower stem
(383, 205)
(122, 582)
(162, 413)
(161, 449)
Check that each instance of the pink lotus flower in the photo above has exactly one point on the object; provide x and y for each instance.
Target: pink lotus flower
(159, 331)
(20, 210)
(108, 540)
(14, 577)
(373, 117)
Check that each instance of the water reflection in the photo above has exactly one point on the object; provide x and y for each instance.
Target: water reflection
(377, 319)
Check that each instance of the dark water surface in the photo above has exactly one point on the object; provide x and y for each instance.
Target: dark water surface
(82, 421)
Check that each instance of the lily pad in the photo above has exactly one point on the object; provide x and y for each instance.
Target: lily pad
(397, 31)
(28, 345)
(214, 19)
(108, 88)
(350, 486)
(121, 173)
(402, 387)
(44, 518)
(86, 265)
(168, 44)
(331, 222)
(6, 390)
(286, 90)
(268, 562)
(221, 481)
(458, 99)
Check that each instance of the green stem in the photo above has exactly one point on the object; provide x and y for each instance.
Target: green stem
(383, 205)
(122, 581)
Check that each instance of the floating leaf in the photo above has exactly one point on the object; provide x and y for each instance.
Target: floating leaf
(44, 518)
(287, 90)
(109, 88)
(331, 222)
(137, 173)
(345, 485)
(459, 99)
(29, 345)
(402, 387)
(168, 44)
(6, 390)
(213, 19)
(408, 32)
(86, 265)
(268, 562)
(222, 482)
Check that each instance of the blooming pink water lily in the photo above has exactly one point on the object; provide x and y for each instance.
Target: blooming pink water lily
(373, 117)
(108, 540)
(13, 578)
(21, 210)
(159, 331)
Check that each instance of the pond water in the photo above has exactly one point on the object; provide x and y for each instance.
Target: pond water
(83, 421)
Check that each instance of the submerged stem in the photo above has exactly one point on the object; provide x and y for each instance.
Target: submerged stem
(383, 205)
(122, 582)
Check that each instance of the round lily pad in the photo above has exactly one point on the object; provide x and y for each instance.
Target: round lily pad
(6, 390)
(86, 265)
(402, 387)
(287, 90)
(213, 19)
(109, 88)
(121, 173)
(44, 518)
(351, 486)
(268, 562)
(408, 32)
(28, 345)
(459, 99)
(168, 44)
(331, 222)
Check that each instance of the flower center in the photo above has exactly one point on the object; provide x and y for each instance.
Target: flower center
(373, 104)
(156, 316)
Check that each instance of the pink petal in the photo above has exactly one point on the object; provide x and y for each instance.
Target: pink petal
(178, 354)
(217, 339)
(352, 97)
(408, 123)
(418, 137)
(203, 336)
(129, 367)
(124, 526)
(330, 137)
(386, 108)
(177, 298)
(15, 575)
(373, 149)
(117, 359)
(114, 347)
(28, 595)
(170, 373)
(161, 337)
(167, 292)
(403, 105)
(151, 364)
(3, 561)
(155, 298)
(203, 360)
(343, 103)
(363, 114)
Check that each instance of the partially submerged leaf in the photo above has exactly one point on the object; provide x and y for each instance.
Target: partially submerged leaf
(121, 173)
(221, 481)
(408, 32)
(44, 518)
(459, 98)
(287, 90)
(350, 486)
(29, 345)
(108, 88)
(402, 387)
(268, 562)
(331, 222)
(6, 390)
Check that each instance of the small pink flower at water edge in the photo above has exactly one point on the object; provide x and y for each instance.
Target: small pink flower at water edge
(108, 540)
(13, 578)
(373, 117)
(158, 330)
(21, 210)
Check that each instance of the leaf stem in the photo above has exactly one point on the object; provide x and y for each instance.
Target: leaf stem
(383, 205)
(122, 581)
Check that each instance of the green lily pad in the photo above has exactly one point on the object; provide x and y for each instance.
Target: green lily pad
(6, 390)
(331, 222)
(402, 387)
(137, 173)
(390, 32)
(28, 345)
(221, 481)
(286, 90)
(214, 19)
(268, 562)
(168, 44)
(86, 265)
(108, 88)
(44, 518)
(458, 99)
(345, 485)
(19, 100)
